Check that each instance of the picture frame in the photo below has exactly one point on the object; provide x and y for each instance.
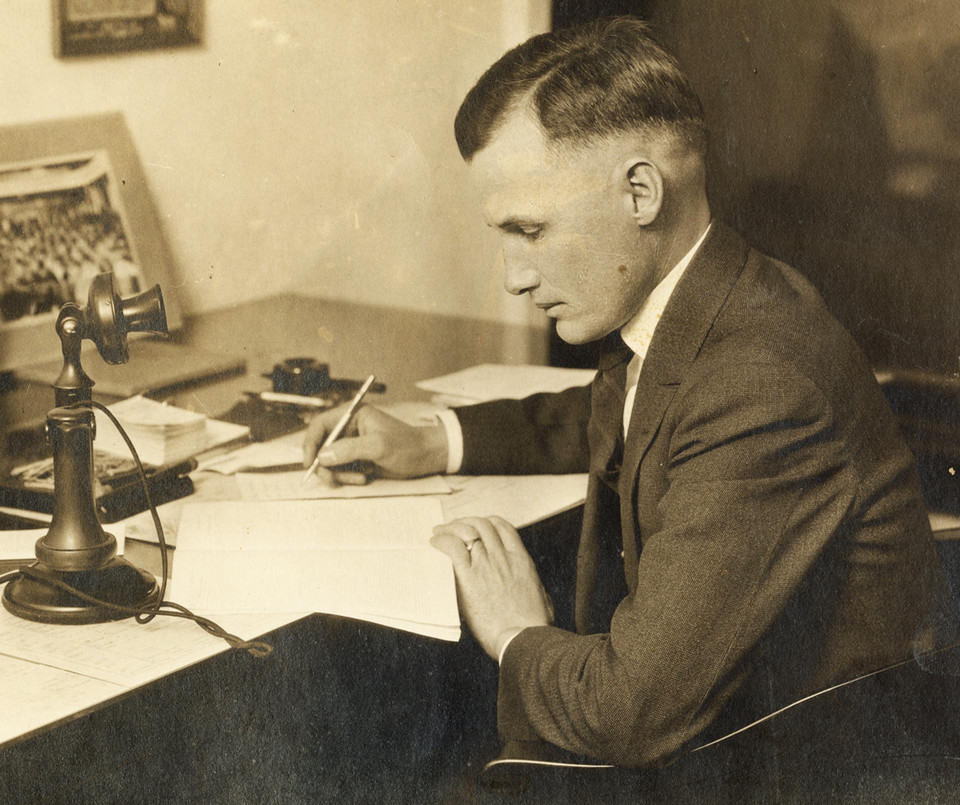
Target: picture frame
(73, 201)
(99, 27)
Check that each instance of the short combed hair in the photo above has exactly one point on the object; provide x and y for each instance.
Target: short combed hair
(584, 84)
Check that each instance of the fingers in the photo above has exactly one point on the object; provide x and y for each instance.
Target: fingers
(496, 533)
(472, 531)
(509, 536)
(349, 449)
(325, 477)
(317, 431)
(368, 449)
(454, 547)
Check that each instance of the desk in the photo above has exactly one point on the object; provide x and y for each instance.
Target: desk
(332, 712)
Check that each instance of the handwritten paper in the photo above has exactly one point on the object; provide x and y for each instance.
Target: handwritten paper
(53, 671)
(291, 486)
(38, 695)
(123, 652)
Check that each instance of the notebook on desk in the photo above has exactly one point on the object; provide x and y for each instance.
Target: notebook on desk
(154, 366)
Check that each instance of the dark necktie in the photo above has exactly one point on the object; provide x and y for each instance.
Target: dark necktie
(600, 583)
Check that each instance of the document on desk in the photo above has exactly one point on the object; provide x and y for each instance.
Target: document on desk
(494, 381)
(124, 652)
(369, 559)
(20, 544)
(291, 486)
(44, 695)
(518, 499)
(282, 452)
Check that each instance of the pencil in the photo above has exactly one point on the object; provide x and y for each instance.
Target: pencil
(341, 424)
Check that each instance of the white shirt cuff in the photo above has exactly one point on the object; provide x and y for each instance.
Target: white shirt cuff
(454, 440)
(507, 642)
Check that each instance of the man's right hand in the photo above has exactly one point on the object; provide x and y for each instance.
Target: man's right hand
(390, 447)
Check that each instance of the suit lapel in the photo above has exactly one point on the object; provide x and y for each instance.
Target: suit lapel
(680, 334)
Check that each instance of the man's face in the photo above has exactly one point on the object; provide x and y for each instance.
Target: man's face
(568, 236)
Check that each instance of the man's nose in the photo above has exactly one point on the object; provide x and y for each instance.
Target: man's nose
(520, 277)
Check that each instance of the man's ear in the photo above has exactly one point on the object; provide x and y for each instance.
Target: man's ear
(644, 186)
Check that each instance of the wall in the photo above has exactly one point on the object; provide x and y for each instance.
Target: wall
(836, 146)
(306, 146)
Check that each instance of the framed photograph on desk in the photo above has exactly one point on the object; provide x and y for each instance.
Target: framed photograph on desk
(73, 203)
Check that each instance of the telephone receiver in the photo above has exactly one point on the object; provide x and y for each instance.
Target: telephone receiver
(108, 318)
(105, 320)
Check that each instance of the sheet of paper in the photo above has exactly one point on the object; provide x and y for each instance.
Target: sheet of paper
(491, 381)
(308, 525)
(518, 499)
(412, 585)
(44, 695)
(450, 633)
(20, 544)
(259, 455)
(124, 652)
(347, 557)
(942, 522)
(291, 486)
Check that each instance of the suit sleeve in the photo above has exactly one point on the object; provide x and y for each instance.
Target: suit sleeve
(543, 433)
(758, 482)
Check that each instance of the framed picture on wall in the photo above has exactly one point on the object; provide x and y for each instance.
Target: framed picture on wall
(73, 203)
(94, 27)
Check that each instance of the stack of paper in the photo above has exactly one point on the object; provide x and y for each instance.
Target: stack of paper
(369, 559)
(493, 381)
(162, 434)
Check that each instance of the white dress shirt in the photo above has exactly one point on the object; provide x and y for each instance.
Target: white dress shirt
(638, 332)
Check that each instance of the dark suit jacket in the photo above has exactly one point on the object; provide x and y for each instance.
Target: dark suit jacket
(773, 535)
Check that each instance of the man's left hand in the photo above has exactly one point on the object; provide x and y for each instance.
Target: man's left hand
(499, 590)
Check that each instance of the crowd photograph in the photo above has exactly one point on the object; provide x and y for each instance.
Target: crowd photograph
(60, 226)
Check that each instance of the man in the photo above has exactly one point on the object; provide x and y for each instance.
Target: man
(753, 530)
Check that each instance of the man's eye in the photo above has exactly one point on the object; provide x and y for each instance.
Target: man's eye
(528, 232)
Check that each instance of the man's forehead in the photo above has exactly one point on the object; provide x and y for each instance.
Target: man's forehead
(520, 166)
(517, 147)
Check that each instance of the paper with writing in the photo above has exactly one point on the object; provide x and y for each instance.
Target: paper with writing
(123, 652)
(291, 486)
(44, 694)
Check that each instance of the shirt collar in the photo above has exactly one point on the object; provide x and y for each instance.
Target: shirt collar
(638, 332)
